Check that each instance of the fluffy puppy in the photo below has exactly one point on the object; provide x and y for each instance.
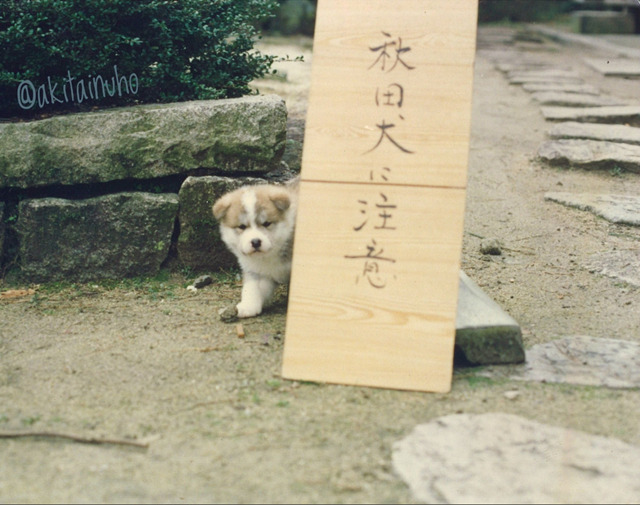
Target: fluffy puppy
(257, 225)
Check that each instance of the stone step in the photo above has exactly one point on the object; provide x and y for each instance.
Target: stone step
(596, 131)
(565, 99)
(619, 209)
(585, 89)
(621, 114)
(485, 334)
(503, 458)
(540, 78)
(591, 154)
(585, 361)
(618, 67)
(549, 74)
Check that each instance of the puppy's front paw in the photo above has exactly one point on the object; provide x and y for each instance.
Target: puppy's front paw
(246, 309)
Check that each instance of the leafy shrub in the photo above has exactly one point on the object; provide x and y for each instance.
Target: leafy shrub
(521, 10)
(58, 54)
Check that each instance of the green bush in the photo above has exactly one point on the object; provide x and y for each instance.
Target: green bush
(74, 54)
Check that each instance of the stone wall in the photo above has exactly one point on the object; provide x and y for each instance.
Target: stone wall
(117, 193)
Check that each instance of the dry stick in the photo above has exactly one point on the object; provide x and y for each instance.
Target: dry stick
(75, 438)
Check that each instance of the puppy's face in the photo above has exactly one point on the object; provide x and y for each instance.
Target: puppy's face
(253, 220)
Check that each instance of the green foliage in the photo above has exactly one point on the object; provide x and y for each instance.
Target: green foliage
(177, 49)
(521, 10)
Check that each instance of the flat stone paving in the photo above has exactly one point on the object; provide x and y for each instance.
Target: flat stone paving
(591, 154)
(561, 87)
(595, 131)
(620, 209)
(565, 99)
(584, 361)
(619, 67)
(622, 265)
(503, 458)
(626, 114)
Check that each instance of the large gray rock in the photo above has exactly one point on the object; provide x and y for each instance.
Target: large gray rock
(199, 244)
(145, 142)
(502, 458)
(112, 236)
(591, 154)
(485, 334)
(594, 131)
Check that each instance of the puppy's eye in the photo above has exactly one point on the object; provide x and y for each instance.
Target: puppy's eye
(266, 224)
(241, 227)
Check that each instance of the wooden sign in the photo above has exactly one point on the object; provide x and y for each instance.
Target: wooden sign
(378, 240)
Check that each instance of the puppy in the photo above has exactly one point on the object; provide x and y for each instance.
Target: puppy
(257, 225)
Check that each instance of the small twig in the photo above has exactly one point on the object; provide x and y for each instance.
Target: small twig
(75, 438)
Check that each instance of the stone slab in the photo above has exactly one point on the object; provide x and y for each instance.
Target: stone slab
(561, 88)
(521, 66)
(624, 114)
(503, 458)
(620, 209)
(113, 236)
(485, 334)
(534, 79)
(591, 154)
(596, 131)
(549, 74)
(565, 99)
(145, 142)
(618, 67)
(585, 361)
(622, 265)
(199, 244)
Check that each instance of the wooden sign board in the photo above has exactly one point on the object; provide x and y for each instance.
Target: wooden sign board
(376, 261)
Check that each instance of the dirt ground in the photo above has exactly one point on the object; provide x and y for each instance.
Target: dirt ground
(149, 361)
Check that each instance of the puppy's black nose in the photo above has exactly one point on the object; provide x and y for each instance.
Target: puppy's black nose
(256, 243)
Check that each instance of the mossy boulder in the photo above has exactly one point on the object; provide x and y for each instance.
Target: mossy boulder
(111, 236)
(245, 135)
(199, 244)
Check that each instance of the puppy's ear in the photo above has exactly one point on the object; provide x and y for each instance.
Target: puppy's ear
(221, 207)
(280, 199)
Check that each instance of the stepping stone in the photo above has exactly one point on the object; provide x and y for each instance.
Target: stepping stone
(619, 67)
(548, 73)
(594, 131)
(521, 66)
(574, 99)
(584, 361)
(529, 79)
(619, 209)
(585, 89)
(625, 114)
(485, 334)
(591, 154)
(622, 265)
(503, 458)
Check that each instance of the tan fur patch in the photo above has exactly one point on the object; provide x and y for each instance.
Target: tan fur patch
(271, 203)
